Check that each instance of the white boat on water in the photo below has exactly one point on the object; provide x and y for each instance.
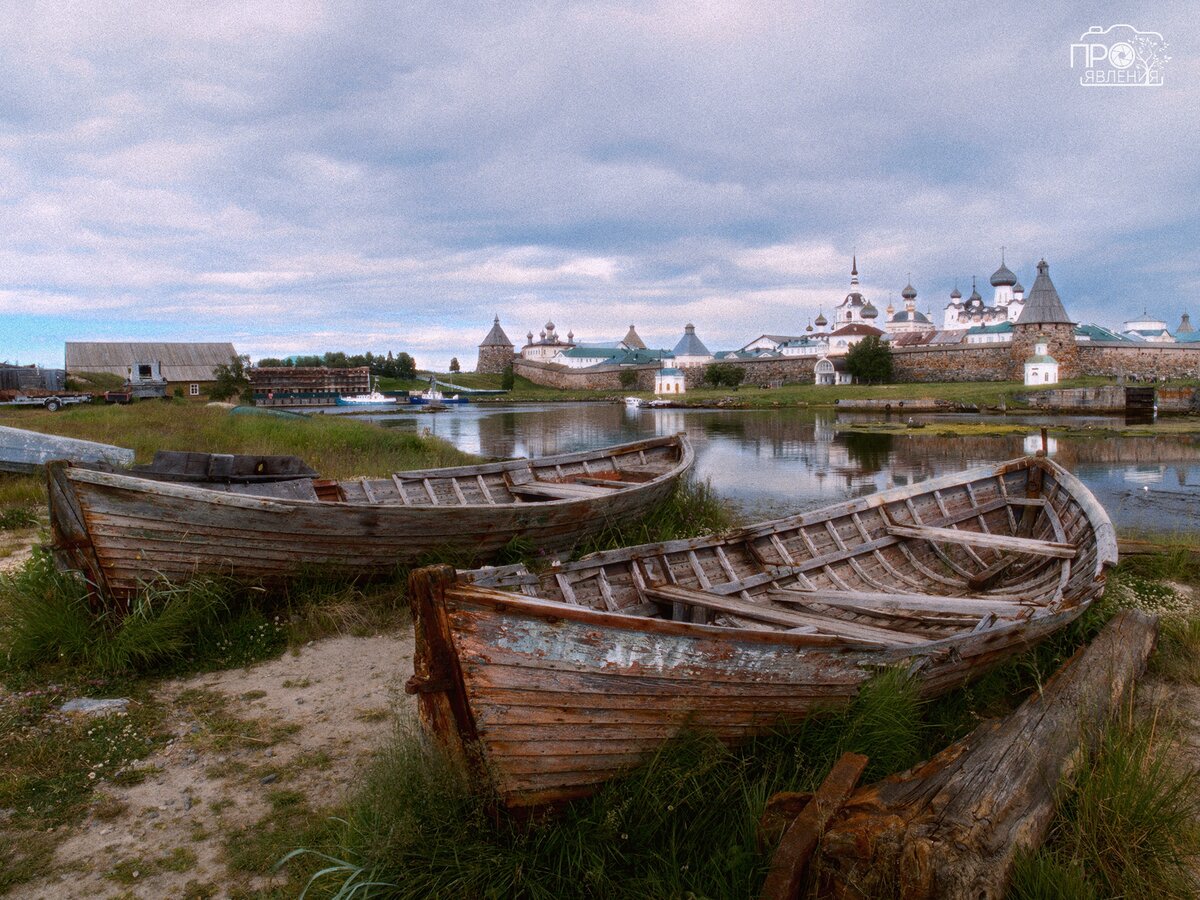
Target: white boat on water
(372, 399)
(634, 402)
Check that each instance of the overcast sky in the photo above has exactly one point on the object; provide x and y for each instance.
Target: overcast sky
(300, 176)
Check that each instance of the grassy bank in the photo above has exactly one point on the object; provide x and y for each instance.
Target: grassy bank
(685, 824)
(55, 645)
(981, 393)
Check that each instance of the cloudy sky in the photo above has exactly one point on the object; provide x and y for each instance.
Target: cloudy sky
(302, 176)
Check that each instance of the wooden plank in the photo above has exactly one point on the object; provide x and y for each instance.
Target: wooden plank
(559, 491)
(607, 482)
(852, 631)
(429, 490)
(1003, 542)
(564, 585)
(400, 490)
(483, 489)
(871, 600)
(791, 857)
(367, 491)
(606, 590)
(458, 492)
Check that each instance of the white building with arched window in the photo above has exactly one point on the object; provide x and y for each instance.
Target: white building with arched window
(1041, 368)
(669, 381)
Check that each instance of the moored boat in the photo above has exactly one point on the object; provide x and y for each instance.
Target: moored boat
(374, 398)
(122, 530)
(27, 451)
(548, 683)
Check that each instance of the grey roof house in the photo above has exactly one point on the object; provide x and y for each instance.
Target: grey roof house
(178, 361)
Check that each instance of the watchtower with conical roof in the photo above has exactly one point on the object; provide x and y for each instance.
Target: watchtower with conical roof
(1044, 319)
(495, 351)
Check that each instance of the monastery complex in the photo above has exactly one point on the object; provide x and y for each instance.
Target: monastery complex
(1015, 336)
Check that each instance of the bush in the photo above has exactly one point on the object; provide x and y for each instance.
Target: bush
(724, 375)
(232, 380)
(507, 379)
(628, 378)
(870, 361)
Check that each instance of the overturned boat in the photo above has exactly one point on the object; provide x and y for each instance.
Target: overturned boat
(121, 530)
(545, 684)
(22, 450)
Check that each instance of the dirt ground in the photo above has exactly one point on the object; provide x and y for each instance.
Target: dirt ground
(337, 697)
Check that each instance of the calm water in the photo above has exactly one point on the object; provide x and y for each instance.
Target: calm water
(774, 462)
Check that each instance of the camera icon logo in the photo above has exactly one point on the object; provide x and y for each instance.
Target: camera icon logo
(1120, 56)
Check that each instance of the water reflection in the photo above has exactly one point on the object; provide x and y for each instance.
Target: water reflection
(773, 462)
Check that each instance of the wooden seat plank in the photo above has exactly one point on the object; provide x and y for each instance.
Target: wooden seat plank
(871, 600)
(1000, 541)
(851, 631)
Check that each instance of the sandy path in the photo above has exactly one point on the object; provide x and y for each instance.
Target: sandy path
(341, 695)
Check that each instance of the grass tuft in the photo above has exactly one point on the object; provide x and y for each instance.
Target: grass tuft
(1127, 828)
(693, 509)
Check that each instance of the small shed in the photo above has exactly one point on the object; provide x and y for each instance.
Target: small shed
(1041, 368)
(669, 381)
(831, 371)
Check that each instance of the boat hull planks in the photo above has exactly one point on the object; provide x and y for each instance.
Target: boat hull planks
(546, 684)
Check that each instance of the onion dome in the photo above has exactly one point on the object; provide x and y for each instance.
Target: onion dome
(956, 294)
(529, 337)
(909, 292)
(550, 327)
(1018, 288)
(1003, 277)
(869, 311)
(809, 327)
(891, 310)
(974, 298)
(821, 320)
(570, 337)
(542, 335)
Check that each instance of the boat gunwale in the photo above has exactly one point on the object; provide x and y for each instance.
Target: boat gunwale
(195, 493)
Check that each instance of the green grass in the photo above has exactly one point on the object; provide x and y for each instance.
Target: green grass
(694, 508)
(337, 447)
(1127, 827)
(53, 763)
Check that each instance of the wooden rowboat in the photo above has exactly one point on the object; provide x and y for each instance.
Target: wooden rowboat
(545, 684)
(27, 451)
(122, 530)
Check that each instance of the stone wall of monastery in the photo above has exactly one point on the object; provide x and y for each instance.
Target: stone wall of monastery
(601, 378)
(977, 362)
(1142, 361)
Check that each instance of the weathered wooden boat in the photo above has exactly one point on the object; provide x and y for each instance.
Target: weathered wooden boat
(545, 684)
(222, 468)
(28, 451)
(121, 530)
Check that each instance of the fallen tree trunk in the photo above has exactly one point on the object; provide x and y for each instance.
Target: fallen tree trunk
(952, 826)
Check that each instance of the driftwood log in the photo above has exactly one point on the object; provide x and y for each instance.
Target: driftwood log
(952, 826)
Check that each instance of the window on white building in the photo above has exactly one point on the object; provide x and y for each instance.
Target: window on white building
(194, 390)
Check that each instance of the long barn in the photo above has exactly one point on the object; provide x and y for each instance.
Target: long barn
(187, 365)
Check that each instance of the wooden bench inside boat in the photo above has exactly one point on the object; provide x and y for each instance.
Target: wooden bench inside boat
(1030, 546)
(851, 632)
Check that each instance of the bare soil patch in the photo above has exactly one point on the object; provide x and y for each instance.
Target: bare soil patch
(245, 744)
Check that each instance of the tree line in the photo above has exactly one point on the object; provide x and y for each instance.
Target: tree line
(400, 365)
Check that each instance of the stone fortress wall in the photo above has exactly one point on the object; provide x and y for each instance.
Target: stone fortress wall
(979, 362)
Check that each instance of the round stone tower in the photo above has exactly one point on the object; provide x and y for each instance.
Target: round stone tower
(1044, 320)
(495, 352)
